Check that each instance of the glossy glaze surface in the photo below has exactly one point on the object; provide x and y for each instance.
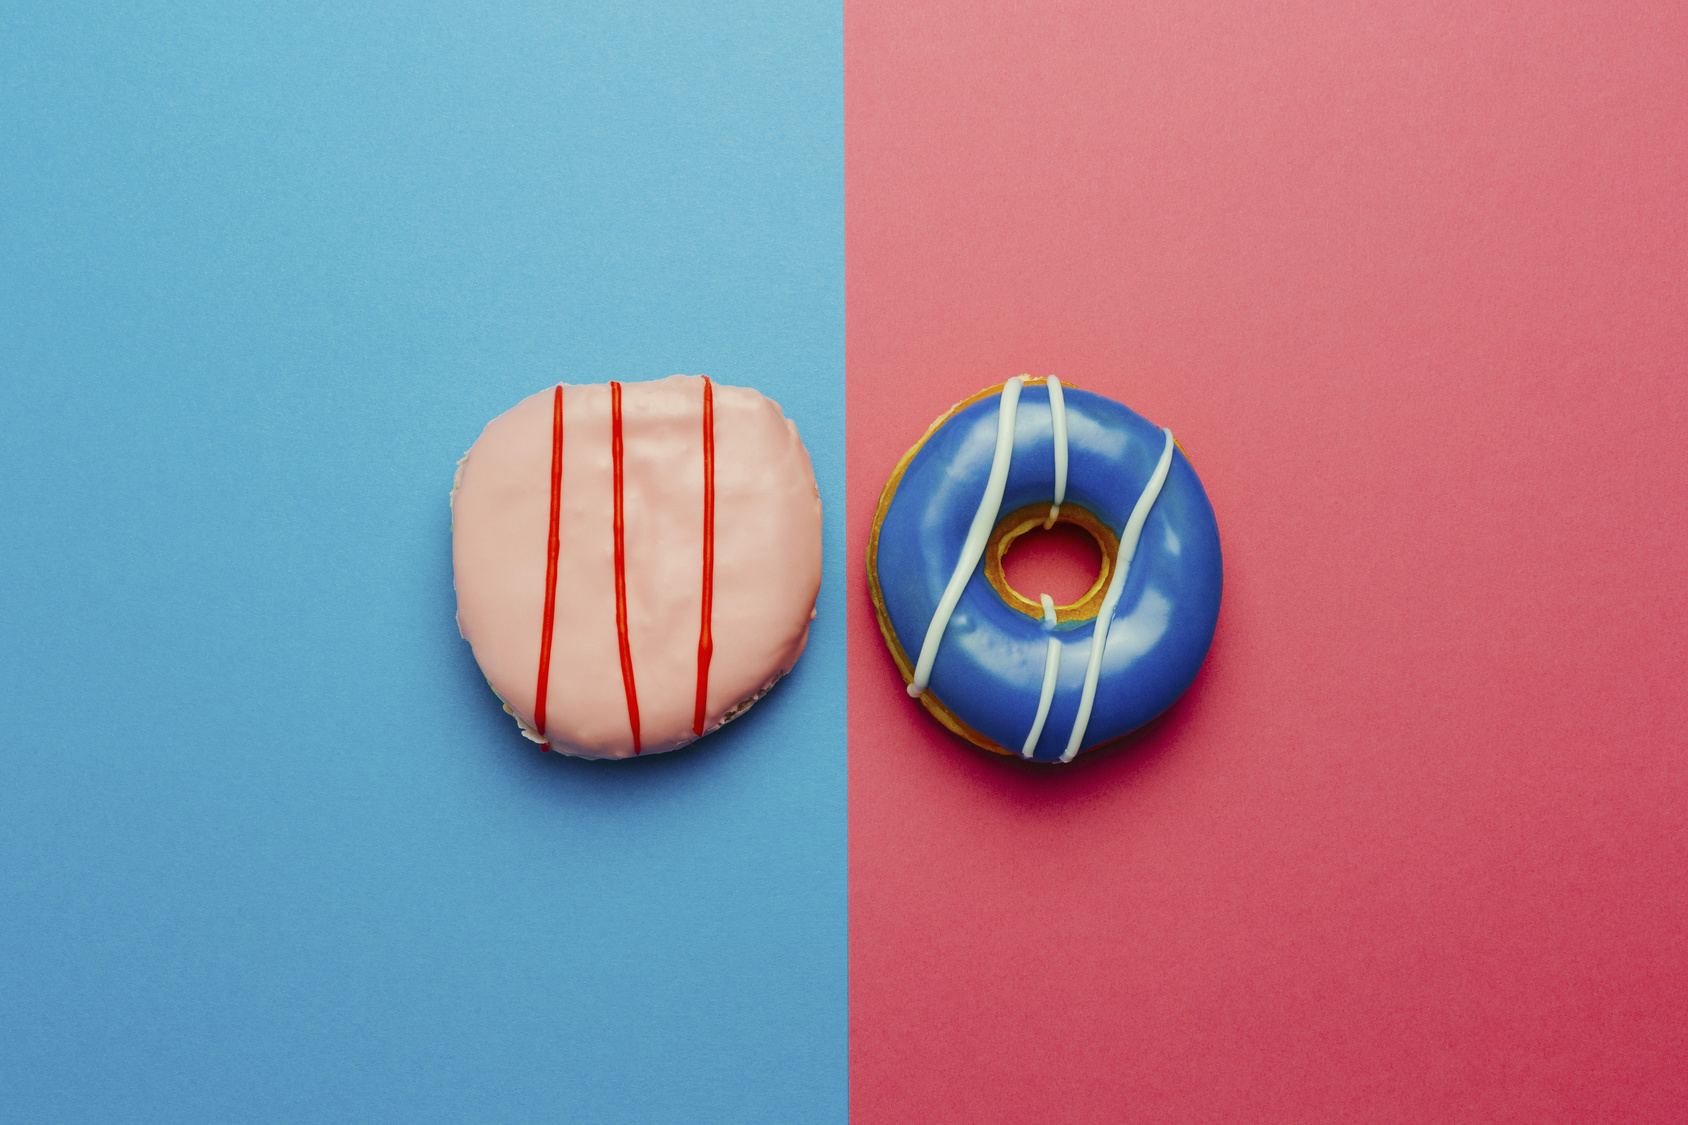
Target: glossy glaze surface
(990, 667)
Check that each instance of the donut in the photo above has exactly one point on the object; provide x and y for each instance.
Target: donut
(635, 563)
(1026, 677)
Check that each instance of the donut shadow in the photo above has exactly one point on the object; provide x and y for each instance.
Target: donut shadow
(1125, 762)
(1134, 750)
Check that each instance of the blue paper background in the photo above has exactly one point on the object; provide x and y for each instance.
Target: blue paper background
(269, 850)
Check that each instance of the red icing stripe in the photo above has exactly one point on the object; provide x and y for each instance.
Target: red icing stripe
(706, 642)
(621, 570)
(550, 565)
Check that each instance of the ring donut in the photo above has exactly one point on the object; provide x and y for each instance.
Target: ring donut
(1025, 677)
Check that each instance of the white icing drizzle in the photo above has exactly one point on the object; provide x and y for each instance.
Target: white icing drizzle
(1058, 414)
(974, 546)
(1051, 665)
(1127, 549)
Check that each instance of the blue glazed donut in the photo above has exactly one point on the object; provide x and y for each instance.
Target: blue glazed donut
(1027, 677)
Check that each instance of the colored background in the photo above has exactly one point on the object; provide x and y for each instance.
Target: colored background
(1410, 283)
(269, 850)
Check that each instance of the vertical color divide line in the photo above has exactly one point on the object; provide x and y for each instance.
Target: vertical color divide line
(705, 641)
(621, 570)
(550, 567)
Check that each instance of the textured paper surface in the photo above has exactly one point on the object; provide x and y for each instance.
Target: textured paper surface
(269, 849)
(1408, 282)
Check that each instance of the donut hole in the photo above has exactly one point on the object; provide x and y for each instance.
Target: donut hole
(1070, 561)
(1063, 562)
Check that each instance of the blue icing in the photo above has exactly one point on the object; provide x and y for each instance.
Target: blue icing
(989, 668)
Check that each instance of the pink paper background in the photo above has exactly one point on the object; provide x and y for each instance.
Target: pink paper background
(1407, 281)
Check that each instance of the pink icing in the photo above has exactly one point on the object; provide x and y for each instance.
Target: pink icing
(767, 558)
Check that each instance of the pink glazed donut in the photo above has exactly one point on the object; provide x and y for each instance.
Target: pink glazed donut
(636, 564)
